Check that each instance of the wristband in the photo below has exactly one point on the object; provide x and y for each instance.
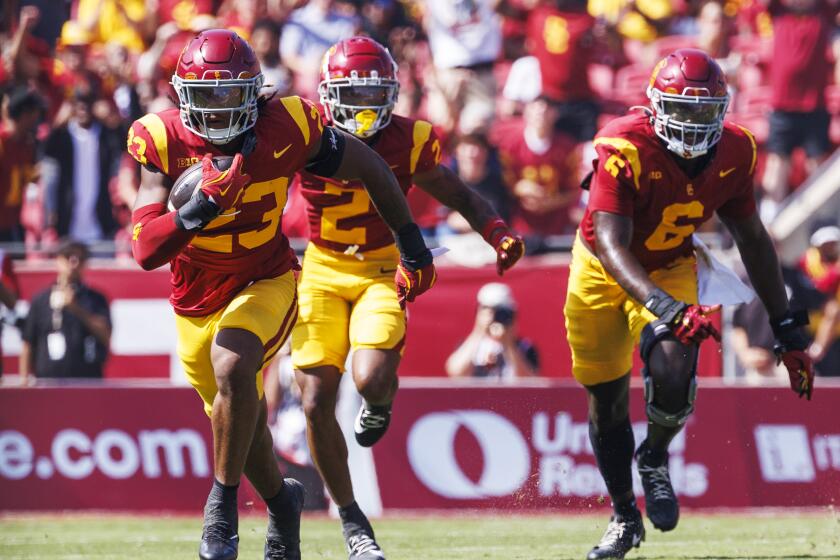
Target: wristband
(665, 307)
(413, 251)
(494, 230)
(196, 213)
(788, 322)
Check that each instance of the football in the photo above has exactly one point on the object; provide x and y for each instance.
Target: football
(190, 180)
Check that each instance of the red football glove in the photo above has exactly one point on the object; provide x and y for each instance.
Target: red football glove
(790, 350)
(696, 324)
(800, 371)
(223, 188)
(412, 283)
(689, 323)
(509, 246)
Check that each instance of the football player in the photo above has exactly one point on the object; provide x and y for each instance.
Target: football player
(234, 289)
(345, 300)
(658, 175)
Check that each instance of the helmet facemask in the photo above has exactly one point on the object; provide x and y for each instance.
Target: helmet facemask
(218, 110)
(360, 106)
(690, 125)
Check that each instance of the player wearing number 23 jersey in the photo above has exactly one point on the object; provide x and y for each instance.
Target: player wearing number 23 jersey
(233, 288)
(347, 300)
(659, 175)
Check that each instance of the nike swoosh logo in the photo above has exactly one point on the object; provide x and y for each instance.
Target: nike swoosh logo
(383, 270)
(727, 172)
(277, 154)
(394, 166)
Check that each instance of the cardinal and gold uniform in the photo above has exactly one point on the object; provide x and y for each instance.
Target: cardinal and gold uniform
(636, 176)
(238, 271)
(347, 294)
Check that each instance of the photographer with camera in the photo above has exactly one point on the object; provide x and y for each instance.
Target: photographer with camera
(68, 330)
(494, 348)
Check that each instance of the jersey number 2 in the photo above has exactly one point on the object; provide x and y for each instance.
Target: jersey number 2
(668, 235)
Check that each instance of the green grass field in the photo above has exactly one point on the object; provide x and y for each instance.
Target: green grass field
(449, 537)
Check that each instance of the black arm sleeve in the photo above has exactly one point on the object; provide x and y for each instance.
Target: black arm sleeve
(328, 159)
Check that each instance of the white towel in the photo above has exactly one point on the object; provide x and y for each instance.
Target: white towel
(716, 282)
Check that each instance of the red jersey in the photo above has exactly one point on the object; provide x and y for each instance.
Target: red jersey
(562, 43)
(232, 251)
(800, 68)
(554, 172)
(636, 176)
(17, 167)
(341, 214)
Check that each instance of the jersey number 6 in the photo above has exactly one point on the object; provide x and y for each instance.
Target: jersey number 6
(668, 235)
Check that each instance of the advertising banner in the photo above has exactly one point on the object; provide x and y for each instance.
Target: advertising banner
(512, 447)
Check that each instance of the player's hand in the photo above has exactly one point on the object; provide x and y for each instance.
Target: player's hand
(412, 283)
(223, 188)
(416, 271)
(691, 324)
(790, 349)
(696, 324)
(509, 246)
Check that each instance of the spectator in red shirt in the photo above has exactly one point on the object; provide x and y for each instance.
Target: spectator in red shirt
(541, 166)
(560, 36)
(22, 110)
(799, 75)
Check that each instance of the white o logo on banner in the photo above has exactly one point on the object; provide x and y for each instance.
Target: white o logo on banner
(431, 451)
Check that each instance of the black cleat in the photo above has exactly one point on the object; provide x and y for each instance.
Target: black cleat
(361, 542)
(219, 540)
(282, 540)
(371, 423)
(622, 535)
(661, 503)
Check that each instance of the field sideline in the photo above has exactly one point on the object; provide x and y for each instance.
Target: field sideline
(451, 537)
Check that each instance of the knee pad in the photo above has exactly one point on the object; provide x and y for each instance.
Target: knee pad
(652, 334)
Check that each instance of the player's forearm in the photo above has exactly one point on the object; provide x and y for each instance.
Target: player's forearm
(156, 238)
(762, 264)
(362, 163)
(450, 191)
(613, 234)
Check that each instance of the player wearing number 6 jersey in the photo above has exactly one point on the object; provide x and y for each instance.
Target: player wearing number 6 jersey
(233, 288)
(658, 176)
(346, 298)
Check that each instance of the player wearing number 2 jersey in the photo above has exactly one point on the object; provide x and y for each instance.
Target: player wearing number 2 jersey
(346, 300)
(233, 288)
(658, 176)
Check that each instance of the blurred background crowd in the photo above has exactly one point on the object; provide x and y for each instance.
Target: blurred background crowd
(516, 88)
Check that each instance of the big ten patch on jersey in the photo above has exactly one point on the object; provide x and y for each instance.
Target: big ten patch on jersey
(341, 215)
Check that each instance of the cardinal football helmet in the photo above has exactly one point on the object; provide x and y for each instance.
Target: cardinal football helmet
(689, 99)
(218, 79)
(359, 86)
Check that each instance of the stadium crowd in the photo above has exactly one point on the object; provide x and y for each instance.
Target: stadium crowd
(515, 88)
